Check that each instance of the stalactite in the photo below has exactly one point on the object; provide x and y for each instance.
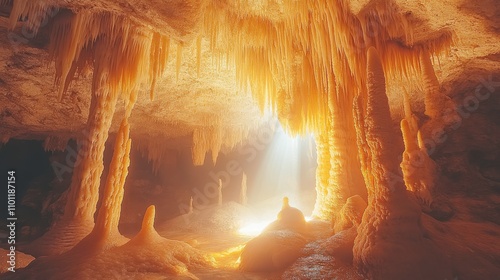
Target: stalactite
(391, 224)
(79, 40)
(154, 151)
(315, 44)
(159, 54)
(435, 100)
(200, 147)
(309, 67)
(215, 137)
(85, 38)
(35, 12)
(216, 143)
(343, 154)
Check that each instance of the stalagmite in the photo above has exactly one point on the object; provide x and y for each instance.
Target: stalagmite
(105, 233)
(351, 213)
(418, 168)
(78, 217)
(391, 226)
(363, 148)
(147, 232)
(83, 196)
(77, 41)
(328, 69)
(219, 196)
(243, 190)
(109, 213)
(309, 65)
(343, 156)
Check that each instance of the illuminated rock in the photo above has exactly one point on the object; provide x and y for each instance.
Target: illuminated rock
(391, 230)
(351, 213)
(272, 250)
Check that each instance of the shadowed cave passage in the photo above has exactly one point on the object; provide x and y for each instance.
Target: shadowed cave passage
(29, 158)
(250, 139)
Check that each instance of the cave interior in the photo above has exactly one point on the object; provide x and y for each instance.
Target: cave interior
(250, 139)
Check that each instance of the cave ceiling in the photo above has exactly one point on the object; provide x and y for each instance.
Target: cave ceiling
(190, 99)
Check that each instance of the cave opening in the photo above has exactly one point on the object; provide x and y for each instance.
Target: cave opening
(256, 174)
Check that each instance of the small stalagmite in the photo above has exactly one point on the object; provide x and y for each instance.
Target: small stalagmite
(147, 232)
(243, 190)
(219, 196)
(191, 209)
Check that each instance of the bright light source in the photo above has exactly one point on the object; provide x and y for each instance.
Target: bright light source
(285, 166)
(253, 229)
(279, 172)
(256, 228)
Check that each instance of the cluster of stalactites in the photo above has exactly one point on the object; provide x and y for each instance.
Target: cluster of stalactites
(98, 40)
(309, 67)
(314, 50)
(215, 138)
(83, 40)
(34, 12)
(154, 151)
